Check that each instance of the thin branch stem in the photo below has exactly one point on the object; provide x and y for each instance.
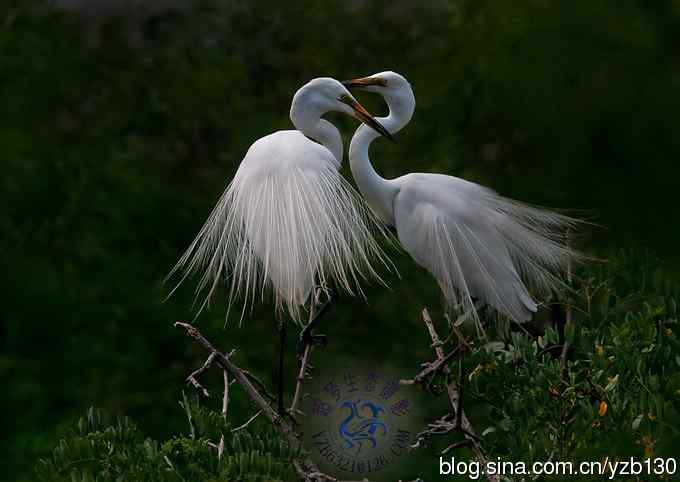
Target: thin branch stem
(461, 386)
(193, 378)
(568, 325)
(248, 422)
(306, 345)
(430, 369)
(281, 376)
(225, 397)
(462, 423)
(281, 423)
(305, 466)
(293, 410)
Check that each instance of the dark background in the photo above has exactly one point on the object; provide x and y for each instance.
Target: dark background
(121, 124)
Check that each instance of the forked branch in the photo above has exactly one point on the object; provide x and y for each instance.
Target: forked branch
(225, 363)
(305, 466)
(457, 420)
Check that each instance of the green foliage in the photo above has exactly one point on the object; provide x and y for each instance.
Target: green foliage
(101, 449)
(618, 396)
(98, 449)
(619, 393)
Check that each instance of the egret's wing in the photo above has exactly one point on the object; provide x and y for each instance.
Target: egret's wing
(479, 245)
(288, 220)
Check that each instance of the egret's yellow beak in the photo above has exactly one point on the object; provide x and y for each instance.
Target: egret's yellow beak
(363, 82)
(364, 116)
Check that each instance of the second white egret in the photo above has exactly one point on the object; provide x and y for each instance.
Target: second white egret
(477, 244)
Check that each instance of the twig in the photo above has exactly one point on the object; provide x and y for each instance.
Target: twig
(461, 338)
(225, 398)
(306, 468)
(443, 426)
(461, 386)
(282, 352)
(568, 324)
(452, 390)
(303, 360)
(259, 384)
(430, 369)
(462, 422)
(225, 406)
(248, 422)
(284, 426)
(308, 341)
(193, 377)
(293, 410)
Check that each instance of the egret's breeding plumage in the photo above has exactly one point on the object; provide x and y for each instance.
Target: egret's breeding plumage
(288, 219)
(477, 244)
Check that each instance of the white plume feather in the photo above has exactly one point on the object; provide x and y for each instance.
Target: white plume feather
(284, 230)
(479, 245)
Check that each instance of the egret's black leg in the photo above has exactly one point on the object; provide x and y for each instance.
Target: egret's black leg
(306, 336)
(282, 350)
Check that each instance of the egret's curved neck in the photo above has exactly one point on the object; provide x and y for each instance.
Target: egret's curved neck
(379, 192)
(307, 119)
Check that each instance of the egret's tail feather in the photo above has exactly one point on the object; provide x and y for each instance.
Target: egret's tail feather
(538, 240)
(515, 250)
(284, 234)
(472, 267)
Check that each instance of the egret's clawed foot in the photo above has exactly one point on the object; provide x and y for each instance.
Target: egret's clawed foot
(307, 339)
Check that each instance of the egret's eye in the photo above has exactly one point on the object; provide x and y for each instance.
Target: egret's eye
(345, 99)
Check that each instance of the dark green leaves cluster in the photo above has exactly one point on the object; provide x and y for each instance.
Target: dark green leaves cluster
(618, 396)
(620, 392)
(102, 449)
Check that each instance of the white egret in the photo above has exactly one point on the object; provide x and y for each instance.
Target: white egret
(477, 244)
(288, 219)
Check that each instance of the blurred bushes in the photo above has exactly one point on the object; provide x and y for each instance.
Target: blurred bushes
(114, 151)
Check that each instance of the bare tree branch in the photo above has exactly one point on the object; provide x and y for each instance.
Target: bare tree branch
(193, 378)
(461, 423)
(225, 397)
(293, 410)
(568, 325)
(305, 466)
(284, 426)
(220, 448)
(248, 422)
(430, 370)
(306, 345)
(302, 373)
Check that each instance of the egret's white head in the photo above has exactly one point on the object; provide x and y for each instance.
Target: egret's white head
(324, 94)
(384, 83)
(394, 88)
